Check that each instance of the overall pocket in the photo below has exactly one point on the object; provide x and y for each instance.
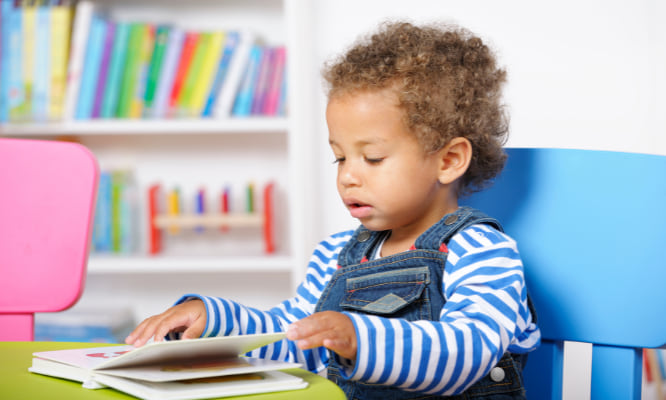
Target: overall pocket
(399, 293)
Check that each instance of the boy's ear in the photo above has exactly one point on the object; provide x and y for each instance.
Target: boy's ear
(454, 160)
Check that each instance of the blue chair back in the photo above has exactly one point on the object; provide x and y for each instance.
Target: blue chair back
(590, 226)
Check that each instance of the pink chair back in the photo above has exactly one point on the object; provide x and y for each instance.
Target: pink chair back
(47, 199)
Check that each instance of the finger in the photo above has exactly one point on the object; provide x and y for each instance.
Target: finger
(342, 346)
(310, 326)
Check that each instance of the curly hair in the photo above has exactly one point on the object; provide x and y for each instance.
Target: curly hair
(446, 81)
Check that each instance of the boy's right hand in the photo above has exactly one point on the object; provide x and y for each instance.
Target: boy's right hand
(188, 317)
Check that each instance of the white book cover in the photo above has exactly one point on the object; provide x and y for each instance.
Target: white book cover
(80, 29)
(235, 74)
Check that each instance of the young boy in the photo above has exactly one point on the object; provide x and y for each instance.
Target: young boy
(425, 298)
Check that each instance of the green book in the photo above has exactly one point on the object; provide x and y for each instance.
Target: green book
(161, 38)
(115, 75)
(131, 72)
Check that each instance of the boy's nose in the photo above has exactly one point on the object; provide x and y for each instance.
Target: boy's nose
(347, 176)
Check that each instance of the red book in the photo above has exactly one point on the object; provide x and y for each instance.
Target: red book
(189, 44)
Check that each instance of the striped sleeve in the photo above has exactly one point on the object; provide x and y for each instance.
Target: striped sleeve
(485, 315)
(226, 317)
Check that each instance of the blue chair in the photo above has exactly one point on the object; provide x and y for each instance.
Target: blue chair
(591, 228)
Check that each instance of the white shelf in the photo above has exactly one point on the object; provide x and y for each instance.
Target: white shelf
(148, 127)
(103, 264)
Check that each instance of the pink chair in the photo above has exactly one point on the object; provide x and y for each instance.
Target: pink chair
(47, 200)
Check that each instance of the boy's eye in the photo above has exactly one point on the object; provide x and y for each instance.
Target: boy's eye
(373, 160)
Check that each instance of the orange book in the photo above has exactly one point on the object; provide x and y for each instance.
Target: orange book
(186, 56)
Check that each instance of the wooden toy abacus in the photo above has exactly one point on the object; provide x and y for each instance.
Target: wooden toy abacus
(224, 220)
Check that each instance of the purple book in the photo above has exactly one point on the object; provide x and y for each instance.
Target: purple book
(103, 69)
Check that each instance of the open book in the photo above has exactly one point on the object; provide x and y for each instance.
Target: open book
(182, 369)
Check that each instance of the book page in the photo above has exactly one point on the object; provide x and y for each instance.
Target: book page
(161, 352)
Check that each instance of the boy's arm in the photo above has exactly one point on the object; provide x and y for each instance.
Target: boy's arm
(226, 317)
(485, 315)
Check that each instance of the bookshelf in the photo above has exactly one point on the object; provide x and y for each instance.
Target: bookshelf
(190, 152)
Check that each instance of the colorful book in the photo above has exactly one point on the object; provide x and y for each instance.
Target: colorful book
(29, 19)
(80, 30)
(243, 102)
(147, 42)
(231, 42)
(6, 7)
(156, 62)
(193, 74)
(205, 79)
(61, 22)
(41, 68)
(115, 72)
(179, 369)
(16, 92)
(103, 75)
(91, 66)
(117, 185)
(131, 70)
(128, 214)
(186, 56)
(263, 76)
(272, 100)
(282, 103)
(232, 83)
(102, 220)
(168, 73)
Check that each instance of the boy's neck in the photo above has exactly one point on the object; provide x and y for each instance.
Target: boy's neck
(401, 240)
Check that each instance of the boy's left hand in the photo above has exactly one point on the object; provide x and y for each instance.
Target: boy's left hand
(330, 329)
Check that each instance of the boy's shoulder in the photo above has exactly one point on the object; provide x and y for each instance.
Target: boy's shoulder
(481, 235)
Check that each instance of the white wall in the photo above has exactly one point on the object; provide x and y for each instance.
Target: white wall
(582, 74)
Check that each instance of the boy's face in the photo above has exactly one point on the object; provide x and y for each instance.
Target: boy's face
(385, 178)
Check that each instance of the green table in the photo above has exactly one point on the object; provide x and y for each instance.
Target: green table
(17, 383)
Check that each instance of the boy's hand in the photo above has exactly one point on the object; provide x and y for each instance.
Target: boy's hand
(330, 329)
(188, 317)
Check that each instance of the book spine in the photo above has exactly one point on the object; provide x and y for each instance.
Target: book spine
(282, 103)
(115, 73)
(116, 198)
(156, 62)
(16, 94)
(243, 103)
(210, 61)
(91, 64)
(5, 14)
(147, 42)
(61, 21)
(221, 73)
(102, 221)
(186, 57)
(237, 67)
(130, 72)
(40, 70)
(275, 84)
(166, 78)
(261, 86)
(193, 74)
(103, 69)
(29, 17)
(80, 30)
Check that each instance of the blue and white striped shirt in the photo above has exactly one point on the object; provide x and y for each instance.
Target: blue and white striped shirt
(485, 315)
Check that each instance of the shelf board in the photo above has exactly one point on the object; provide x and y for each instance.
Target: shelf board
(118, 264)
(148, 127)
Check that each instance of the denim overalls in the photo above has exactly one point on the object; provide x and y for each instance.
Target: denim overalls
(408, 285)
